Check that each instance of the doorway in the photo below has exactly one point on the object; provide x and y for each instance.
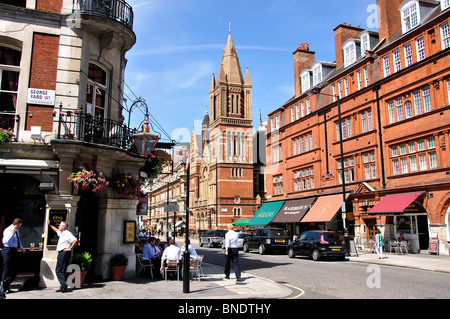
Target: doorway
(371, 228)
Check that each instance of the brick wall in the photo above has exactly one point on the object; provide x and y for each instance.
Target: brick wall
(44, 62)
(49, 5)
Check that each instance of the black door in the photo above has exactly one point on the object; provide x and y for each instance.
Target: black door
(422, 229)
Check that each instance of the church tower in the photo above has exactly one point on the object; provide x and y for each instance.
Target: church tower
(223, 173)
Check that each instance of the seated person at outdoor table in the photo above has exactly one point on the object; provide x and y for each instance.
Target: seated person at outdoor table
(152, 252)
(168, 243)
(401, 238)
(191, 249)
(171, 252)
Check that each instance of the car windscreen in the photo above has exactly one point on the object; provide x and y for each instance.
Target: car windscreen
(277, 233)
(220, 233)
(332, 237)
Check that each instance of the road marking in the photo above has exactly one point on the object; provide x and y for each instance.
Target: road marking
(284, 284)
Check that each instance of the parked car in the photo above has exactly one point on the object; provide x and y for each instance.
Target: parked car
(266, 239)
(240, 243)
(318, 244)
(212, 238)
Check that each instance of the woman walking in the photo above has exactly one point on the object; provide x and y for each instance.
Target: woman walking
(379, 244)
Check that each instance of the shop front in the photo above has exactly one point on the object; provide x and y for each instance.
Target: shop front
(292, 213)
(410, 218)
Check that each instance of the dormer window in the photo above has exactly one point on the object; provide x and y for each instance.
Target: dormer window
(350, 51)
(306, 80)
(317, 74)
(365, 44)
(445, 4)
(410, 16)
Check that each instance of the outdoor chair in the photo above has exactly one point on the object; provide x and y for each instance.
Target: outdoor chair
(172, 266)
(200, 261)
(393, 246)
(404, 247)
(143, 266)
(194, 268)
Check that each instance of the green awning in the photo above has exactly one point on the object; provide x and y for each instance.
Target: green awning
(265, 214)
(242, 222)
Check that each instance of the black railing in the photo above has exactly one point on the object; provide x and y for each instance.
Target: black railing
(117, 10)
(87, 128)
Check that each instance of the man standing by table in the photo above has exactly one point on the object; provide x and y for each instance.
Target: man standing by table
(231, 253)
(66, 242)
(11, 247)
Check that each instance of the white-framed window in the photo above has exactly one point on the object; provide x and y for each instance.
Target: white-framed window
(277, 153)
(410, 16)
(97, 90)
(408, 109)
(340, 89)
(302, 108)
(349, 169)
(308, 106)
(297, 116)
(292, 114)
(397, 60)
(369, 165)
(391, 111)
(386, 66)
(347, 131)
(445, 36)
(426, 99)
(346, 92)
(366, 76)
(448, 87)
(304, 179)
(408, 55)
(306, 80)
(317, 73)
(277, 185)
(414, 156)
(333, 87)
(349, 53)
(399, 107)
(9, 81)
(445, 4)
(365, 44)
(417, 102)
(395, 167)
(420, 48)
(359, 79)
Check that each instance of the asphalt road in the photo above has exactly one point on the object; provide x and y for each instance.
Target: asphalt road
(330, 279)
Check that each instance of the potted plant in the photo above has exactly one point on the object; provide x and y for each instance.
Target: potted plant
(84, 261)
(86, 178)
(6, 136)
(118, 263)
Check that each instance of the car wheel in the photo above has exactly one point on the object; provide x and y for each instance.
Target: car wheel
(261, 249)
(210, 244)
(315, 255)
(291, 253)
(245, 248)
(201, 244)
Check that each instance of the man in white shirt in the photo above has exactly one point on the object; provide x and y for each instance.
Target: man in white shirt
(66, 242)
(171, 252)
(11, 246)
(231, 252)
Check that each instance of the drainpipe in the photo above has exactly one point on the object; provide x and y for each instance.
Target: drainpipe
(380, 135)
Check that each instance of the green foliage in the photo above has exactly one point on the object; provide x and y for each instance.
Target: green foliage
(84, 260)
(6, 136)
(118, 260)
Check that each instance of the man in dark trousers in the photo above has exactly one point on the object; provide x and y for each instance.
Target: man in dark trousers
(66, 242)
(231, 253)
(11, 247)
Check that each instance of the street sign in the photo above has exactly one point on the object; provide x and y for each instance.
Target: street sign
(171, 208)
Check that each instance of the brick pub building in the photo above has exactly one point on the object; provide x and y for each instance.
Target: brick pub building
(61, 70)
(393, 91)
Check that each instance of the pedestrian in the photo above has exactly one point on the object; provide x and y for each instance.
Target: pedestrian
(231, 253)
(66, 243)
(379, 244)
(11, 247)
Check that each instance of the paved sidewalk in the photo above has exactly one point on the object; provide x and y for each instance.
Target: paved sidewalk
(212, 285)
(440, 263)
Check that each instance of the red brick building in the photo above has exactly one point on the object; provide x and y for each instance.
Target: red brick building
(393, 91)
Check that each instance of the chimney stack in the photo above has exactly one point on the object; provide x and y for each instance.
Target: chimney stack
(389, 18)
(303, 59)
(342, 33)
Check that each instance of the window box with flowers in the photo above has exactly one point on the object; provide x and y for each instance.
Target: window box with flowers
(86, 178)
(6, 136)
(125, 184)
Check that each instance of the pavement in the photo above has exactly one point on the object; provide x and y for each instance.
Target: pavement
(212, 284)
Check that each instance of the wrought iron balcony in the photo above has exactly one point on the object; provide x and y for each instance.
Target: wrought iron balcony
(87, 128)
(117, 10)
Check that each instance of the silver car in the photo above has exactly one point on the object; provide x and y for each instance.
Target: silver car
(240, 243)
(212, 238)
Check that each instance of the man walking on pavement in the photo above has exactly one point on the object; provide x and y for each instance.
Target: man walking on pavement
(231, 253)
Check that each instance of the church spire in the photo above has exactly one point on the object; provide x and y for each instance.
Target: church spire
(230, 63)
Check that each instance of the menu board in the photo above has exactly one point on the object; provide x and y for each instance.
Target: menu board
(56, 216)
(129, 231)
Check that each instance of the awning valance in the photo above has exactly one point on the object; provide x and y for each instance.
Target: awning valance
(324, 209)
(396, 204)
(265, 214)
(294, 210)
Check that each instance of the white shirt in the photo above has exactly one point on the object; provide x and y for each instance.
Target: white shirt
(66, 238)
(231, 239)
(171, 252)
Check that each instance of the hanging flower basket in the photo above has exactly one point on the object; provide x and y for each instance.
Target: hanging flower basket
(153, 166)
(85, 178)
(125, 184)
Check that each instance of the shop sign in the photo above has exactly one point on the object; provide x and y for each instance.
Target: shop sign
(40, 96)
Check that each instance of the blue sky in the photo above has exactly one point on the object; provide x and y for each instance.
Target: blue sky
(179, 46)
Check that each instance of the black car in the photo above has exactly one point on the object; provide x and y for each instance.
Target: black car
(318, 244)
(212, 238)
(265, 239)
